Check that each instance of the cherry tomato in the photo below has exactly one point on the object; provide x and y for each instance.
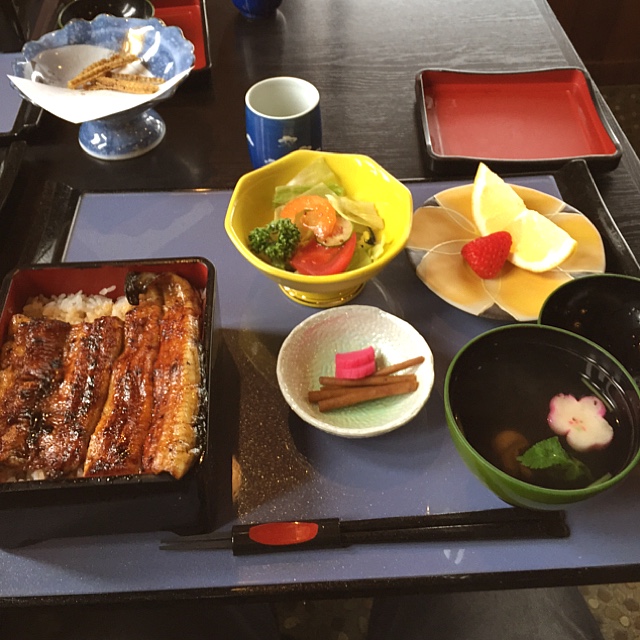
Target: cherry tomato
(314, 259)
(312, 212)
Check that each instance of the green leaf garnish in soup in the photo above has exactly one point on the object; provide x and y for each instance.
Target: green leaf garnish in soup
(550, 455)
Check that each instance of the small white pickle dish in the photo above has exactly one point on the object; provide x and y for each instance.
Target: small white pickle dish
(308, 352)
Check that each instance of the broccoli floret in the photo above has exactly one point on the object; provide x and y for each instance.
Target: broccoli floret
(275, 242)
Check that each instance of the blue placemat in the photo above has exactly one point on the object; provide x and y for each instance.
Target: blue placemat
(10, 99)
(410, 471)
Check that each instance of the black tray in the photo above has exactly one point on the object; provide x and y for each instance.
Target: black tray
(36, 510)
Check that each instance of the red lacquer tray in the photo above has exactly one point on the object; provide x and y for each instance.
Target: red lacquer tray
(515, 121)
(191, 17)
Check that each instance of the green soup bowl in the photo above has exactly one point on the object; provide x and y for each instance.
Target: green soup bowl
(498, 390)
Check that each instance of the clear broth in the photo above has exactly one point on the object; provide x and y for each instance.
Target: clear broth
(525, 377)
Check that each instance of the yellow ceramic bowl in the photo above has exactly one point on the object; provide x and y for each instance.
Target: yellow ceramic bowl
(362, 178)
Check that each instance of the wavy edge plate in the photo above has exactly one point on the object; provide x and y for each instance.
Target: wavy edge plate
(577, 187)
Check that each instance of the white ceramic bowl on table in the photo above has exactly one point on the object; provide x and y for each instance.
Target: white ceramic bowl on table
(309, 351)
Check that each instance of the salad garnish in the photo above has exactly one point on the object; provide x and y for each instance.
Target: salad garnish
(336, 232)
(276, 242)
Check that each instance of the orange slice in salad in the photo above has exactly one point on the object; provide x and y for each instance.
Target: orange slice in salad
(311, 212)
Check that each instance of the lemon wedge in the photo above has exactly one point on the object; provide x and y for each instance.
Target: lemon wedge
(494, 204)
(538, 244)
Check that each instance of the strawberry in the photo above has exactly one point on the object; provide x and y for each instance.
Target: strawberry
(486, 255)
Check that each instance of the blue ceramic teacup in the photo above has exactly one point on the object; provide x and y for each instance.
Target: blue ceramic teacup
(282, 114)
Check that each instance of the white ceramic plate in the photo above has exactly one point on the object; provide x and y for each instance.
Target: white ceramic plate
(309, 351)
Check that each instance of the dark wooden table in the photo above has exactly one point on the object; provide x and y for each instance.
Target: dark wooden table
(363, 55)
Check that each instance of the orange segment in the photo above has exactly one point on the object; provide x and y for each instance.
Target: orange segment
(538, 244)
(494, 203)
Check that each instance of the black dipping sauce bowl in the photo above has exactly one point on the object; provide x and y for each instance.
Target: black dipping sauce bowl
(604, 308)
(89, 9)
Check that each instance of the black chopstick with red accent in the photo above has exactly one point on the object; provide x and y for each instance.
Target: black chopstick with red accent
(297, 535)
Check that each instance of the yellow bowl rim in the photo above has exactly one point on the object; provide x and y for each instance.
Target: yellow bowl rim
(363, 273)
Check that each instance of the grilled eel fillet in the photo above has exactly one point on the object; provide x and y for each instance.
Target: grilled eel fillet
(117, 443)
(30, 367)
(171, 445)
(71, 413)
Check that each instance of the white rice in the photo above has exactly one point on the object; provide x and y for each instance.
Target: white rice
(77, 307)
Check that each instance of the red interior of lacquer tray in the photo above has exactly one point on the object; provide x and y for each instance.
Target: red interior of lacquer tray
(524, 116)
(188, 15)
(89, 279)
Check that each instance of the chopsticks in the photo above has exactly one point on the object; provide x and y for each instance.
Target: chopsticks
(494, 524)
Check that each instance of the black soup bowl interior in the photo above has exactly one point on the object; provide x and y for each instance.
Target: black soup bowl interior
(604, 308)
(502, 382)
(89, 9)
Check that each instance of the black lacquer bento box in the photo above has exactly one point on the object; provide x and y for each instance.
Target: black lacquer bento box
(36, 510)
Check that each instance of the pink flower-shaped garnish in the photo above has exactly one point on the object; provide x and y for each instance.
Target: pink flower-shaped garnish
(581, 421)
(438, 234)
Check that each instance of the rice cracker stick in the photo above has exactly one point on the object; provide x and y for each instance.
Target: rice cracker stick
(125, 85)
(99, 68)
(135, 78)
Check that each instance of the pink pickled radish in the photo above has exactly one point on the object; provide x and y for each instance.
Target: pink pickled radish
(581, 421)
(356, 364)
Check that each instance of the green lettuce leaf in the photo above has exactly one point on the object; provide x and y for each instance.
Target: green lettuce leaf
(358, 212)
(316, 178)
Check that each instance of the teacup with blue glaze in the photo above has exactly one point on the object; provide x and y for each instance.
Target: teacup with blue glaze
(282, 115)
